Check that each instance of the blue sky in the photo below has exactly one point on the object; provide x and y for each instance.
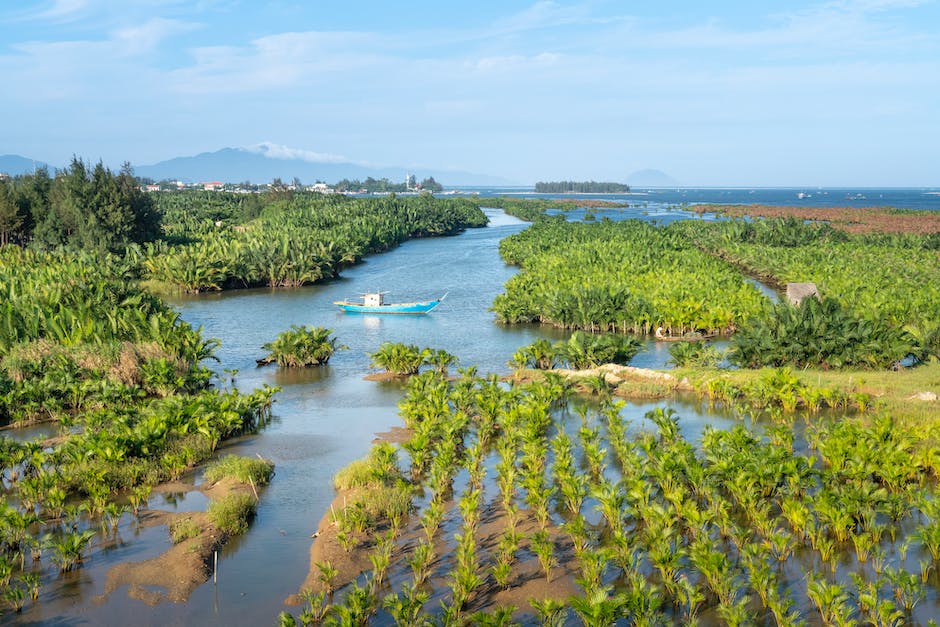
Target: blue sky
(843, 92)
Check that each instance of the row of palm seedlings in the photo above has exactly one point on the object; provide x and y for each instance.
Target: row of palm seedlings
(636, 524)
(624, 276)
(889, 283)
(121, 377)
(295, 242)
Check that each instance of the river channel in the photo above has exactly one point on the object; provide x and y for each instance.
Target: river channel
(323, 418)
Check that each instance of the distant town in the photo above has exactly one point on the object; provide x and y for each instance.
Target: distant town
(368, 186)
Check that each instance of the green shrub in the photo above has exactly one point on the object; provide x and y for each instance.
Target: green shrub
(233, 513)
(379, 468)
(820, 334)
(587, 350)
(696, 354)
(244, 469)
(356, 474)
(301, 346)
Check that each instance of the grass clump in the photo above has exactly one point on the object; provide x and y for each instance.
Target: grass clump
(248, 470)
(378, 492)
(233, 513)
(355, 475)
(183, 529)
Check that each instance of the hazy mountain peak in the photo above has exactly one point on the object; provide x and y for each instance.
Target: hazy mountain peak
(266, 161)
(651, 178)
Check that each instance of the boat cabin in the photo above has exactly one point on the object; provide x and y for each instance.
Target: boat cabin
(372, 300)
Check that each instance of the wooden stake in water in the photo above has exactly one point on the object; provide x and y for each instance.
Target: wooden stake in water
(215, 566)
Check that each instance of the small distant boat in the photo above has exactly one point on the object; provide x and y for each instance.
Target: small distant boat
(374, 303)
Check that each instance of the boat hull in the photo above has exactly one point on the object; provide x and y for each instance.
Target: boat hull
(391, 308)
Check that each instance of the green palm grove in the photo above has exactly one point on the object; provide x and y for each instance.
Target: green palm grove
(124, 378)
(839, 526)
(880, 305)
(620, 276)
(297, 241)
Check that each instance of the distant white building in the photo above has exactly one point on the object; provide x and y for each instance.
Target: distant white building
(410, 181)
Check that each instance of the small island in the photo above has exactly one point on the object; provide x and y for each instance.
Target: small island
(581, 187)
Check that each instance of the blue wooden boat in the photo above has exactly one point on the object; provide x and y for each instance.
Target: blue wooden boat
(374, 303)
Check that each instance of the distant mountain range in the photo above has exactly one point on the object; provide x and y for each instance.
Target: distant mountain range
(14, 165)
(236, 165)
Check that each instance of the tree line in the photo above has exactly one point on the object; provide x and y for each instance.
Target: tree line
(382, 185)
(81, 206)
(584, 187)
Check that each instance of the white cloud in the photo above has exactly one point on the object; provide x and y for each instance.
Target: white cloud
(149, 34)
(62, 10)
(281, 61)
(277, 151)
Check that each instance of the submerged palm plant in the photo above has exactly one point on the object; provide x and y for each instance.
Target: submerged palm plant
(301, 346)
(69, 548)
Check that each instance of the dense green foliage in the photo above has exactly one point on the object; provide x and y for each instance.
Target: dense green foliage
(627, 276)
(75, 334)
(881, 305)
(748, 527)
(583, 187)
(190, 212)
(370, 185)
(580, 351)
(78, 207)
(295, 241)
(889, 276)
(820, 334)
(881, 292)
(122, 376)
(233, 514)
(383, 185)
(301, 346)
(694, 353)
